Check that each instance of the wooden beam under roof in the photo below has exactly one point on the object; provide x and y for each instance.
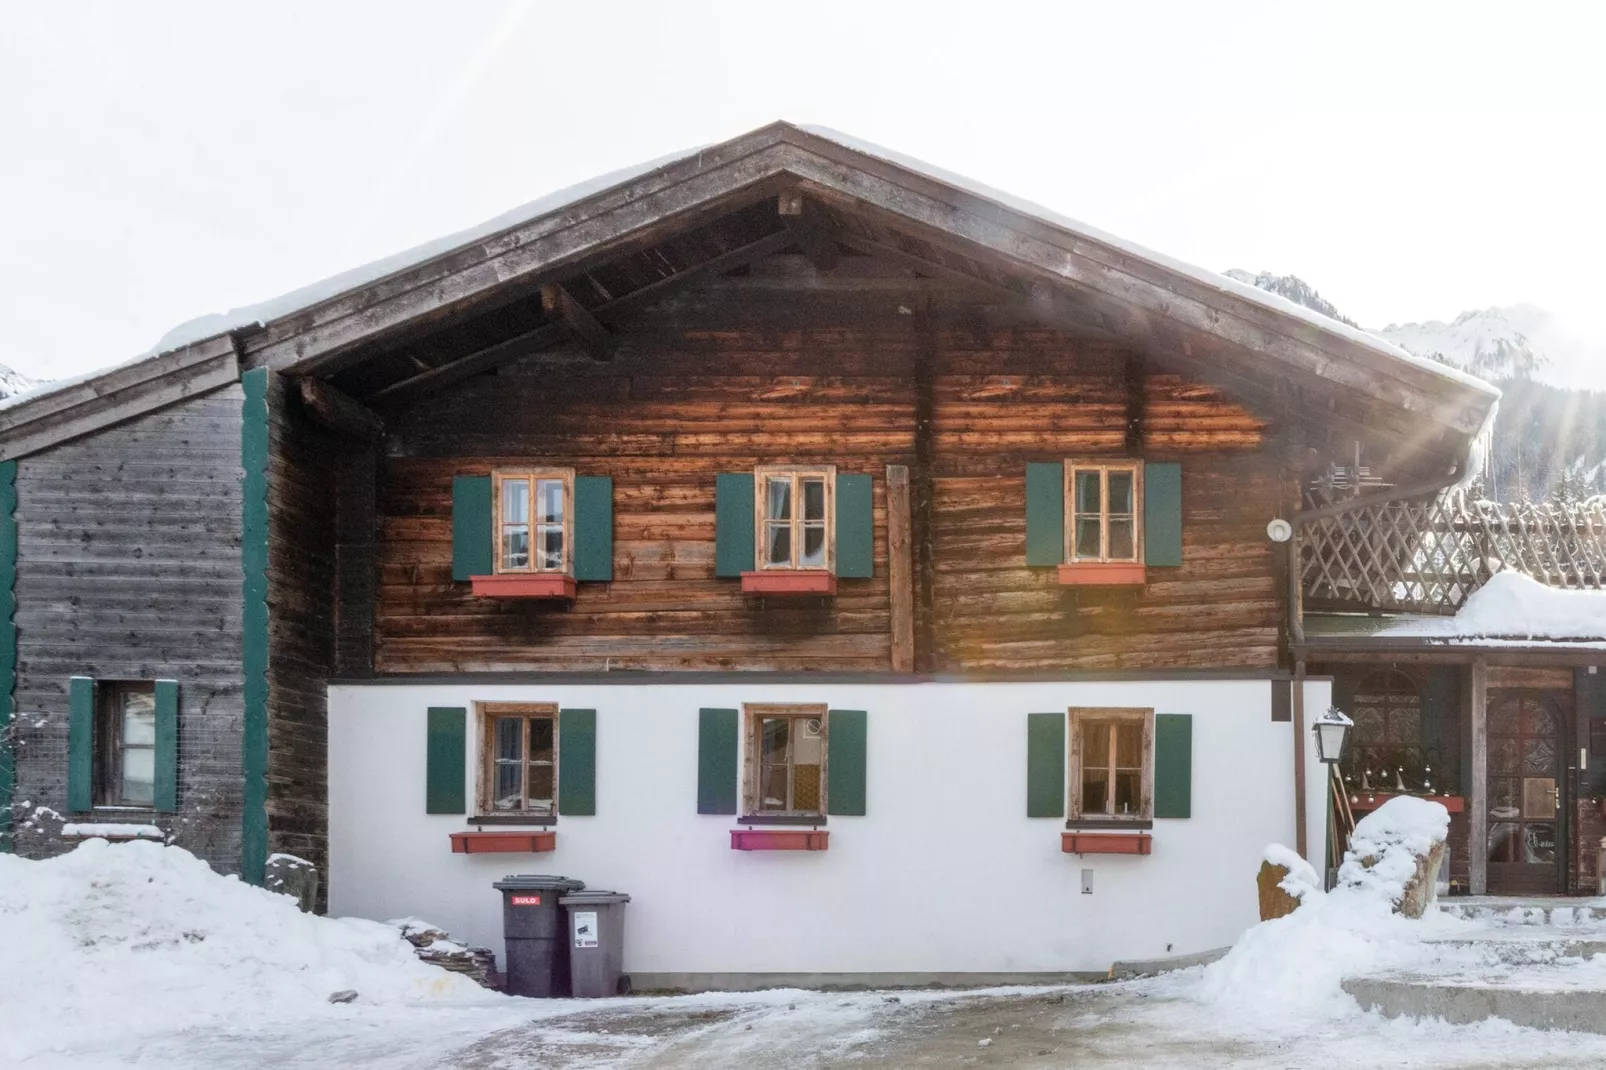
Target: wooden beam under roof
(339, 412)
(580, 324)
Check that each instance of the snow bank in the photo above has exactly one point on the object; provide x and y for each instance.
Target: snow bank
(113, 941)
(1516, 606)
(1394, 836)
(1302, 876)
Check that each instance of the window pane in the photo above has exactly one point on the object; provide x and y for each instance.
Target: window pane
(515, 547)
(541, 777)
(806, 787)
(813, 499)
(772, 787)
(1129, 746)
(1087, 538)
(778, 545)
(551, 548)
(139, 717)
(549, 501)
(509, 739)
(1095, 786)
(515, 501)
(1087, 492)
(139, 775)
(540, 740)
(774, 733)
(1120, 492)
(1095, 743)
(813, 545)
(508, 791)
(778, 498)
(1121, 544)
(1128, 791)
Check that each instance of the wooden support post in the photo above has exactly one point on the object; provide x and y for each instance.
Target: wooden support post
(334, 410)
(1301, 841)
(900, 568)
(816, 243)
(1478, 805)
(1137, 381)
(581, 325)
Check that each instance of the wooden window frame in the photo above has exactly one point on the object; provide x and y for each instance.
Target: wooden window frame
(1104, 468)
(110, 747)
(754, 714)
(487, 714)
(761, 475)
(566, 475)
(1078, 716)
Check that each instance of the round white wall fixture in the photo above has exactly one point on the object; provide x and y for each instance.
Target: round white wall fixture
(1279, 530)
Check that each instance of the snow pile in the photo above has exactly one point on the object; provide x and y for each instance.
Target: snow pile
(111, 942)
(1302, 877)
(1515, 606)
(1392, 837)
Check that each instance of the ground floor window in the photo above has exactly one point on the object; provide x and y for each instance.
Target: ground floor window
(1112, 763)
(786, 755)
(125, 751)
(519, 765)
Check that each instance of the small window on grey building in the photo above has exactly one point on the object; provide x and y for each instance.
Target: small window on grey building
(125, 750)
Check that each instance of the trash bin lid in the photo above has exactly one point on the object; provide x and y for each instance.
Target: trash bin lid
(594, 897)
(519, 882)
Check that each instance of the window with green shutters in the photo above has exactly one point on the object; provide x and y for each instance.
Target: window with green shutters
(122, 745)
(1102, 766)
(794, 518)
(534, 761)
(782, 763)
(531, 521)
(1104, 513)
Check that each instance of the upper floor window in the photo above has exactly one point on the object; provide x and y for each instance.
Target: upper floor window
(126, 744)
(533, 520)
(795, 518)
(1104, 521)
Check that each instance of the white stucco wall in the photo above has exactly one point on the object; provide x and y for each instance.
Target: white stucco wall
(945, 873)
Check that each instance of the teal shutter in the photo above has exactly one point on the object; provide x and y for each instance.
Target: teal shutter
(471, 527)
(577, 762)
(1173, 765)
(446, 758)
(716, 761)
(1045, 514)
(8, 642)
(855, 528)
(593, 528)
(80, 744)
(1045, 765)
(1162, 515)
(733, 524)
(845, 762)
(166, 797)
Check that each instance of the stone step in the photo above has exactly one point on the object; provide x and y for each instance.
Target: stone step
(1541, 947)
(1528, 911)
(1464, 1002)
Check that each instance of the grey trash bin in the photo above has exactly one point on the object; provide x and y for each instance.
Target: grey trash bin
(597, 943)
(532, 925)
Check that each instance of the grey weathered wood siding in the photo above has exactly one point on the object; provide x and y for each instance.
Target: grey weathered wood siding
(128, 567)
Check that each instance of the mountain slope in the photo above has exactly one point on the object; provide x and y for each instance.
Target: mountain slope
(14, 382)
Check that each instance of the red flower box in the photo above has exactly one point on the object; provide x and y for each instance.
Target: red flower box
(531, 585)
(474, 843)
(779, 840)
(1106, 843)
(789, 581)
(1103, 574)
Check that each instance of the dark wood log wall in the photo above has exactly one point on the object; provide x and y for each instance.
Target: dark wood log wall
(128, 568)
(730, 377)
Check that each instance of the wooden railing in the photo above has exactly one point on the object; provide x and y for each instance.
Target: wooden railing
(1428, 556)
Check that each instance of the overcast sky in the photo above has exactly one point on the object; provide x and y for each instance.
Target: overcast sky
(163, 161)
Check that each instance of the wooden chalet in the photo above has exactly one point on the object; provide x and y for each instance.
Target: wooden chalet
(782, 519)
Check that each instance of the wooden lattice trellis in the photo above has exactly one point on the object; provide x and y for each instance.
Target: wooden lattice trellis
(1428, 556)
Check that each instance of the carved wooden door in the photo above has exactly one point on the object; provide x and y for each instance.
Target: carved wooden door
(1528, 742)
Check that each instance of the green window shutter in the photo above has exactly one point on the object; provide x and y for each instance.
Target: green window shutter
(1045, 764)
(716, 761)
(577, 762)
(845, 762)
(1045, 514)
(472, 543)
(593, 528)
(166, 798)
(1162, 515)
(733, 524)
(855, 528)
(1173, 765)
(81, 744)
(445, 780)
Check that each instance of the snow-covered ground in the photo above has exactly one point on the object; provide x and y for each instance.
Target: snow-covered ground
(137, 955)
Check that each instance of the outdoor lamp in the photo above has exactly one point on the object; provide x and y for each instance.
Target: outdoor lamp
(1332, 733)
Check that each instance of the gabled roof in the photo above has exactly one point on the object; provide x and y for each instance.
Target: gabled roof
(703, 211)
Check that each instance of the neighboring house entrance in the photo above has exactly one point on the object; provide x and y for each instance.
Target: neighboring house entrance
(1529, 738)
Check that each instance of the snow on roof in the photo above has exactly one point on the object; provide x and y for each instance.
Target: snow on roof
(1515, 606)
(214, 324)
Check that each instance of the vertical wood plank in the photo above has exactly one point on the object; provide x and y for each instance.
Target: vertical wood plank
(8, 642)
(1478, 806)
(254, 521)
(900, 568)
